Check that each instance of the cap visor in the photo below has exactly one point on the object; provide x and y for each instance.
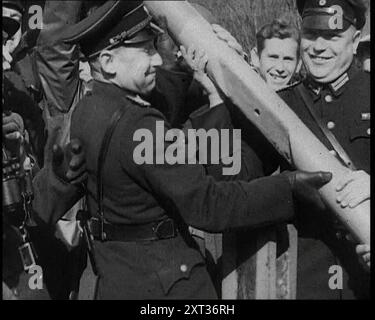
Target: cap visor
(144, 35)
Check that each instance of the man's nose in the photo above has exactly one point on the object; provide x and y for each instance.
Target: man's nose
(156, 60)
(320, 44)
(279, 67)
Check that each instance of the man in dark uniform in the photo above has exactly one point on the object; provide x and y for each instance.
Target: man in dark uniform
(53, 189)
(336, 95)
(143, 249)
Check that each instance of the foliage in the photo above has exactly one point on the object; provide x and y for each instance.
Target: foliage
(243, 18)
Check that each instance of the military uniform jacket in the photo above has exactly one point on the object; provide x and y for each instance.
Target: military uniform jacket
(136, 194)
(344, 106)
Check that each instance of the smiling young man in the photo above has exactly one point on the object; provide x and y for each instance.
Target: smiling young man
(334, 99)
(277, 53)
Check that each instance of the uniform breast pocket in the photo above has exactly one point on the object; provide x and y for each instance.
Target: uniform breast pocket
(178, 267)
(360, 130)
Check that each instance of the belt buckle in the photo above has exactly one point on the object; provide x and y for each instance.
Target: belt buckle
(164, 229)
(96, 228)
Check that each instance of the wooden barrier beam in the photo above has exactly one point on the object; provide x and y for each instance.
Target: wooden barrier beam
(263, 107)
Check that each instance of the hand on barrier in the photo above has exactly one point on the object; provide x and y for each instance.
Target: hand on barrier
(231, 41)
(305, 186)
(197, 60)
(353, 189)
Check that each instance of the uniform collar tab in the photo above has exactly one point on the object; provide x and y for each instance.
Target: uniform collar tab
(338, 85)
(314, 88)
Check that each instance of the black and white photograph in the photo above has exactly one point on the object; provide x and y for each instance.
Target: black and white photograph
(194, 151)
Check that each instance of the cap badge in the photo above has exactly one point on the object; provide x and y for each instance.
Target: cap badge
(119, 38)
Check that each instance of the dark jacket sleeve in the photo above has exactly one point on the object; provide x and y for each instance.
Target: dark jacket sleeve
(219, 118)
(57, 62)
(199, 200)
(52, 197)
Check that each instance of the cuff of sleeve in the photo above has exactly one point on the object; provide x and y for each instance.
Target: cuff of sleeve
(276, 205)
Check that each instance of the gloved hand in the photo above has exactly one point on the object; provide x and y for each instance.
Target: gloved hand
(305, 185)
(70, 164)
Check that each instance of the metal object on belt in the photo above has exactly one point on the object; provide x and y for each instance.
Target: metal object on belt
(27, 251)
(83, 218)
(12, 191)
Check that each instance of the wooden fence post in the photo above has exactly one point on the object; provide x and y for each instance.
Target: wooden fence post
(260, 264)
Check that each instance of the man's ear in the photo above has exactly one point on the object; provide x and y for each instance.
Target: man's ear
(255, 60)
(356, 39)
(107, 62)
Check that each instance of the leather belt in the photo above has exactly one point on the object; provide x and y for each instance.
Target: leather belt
(157, 230)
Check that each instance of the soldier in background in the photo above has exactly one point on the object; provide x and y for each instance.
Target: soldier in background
(363, 55)
(21, 83)
(52, 191)
(23, 129)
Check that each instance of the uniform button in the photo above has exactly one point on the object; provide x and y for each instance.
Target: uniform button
(369, 131)
(16, 292)
(328, 98)
(183, 268)
(339, 235)
(333, 152)
(331, 125)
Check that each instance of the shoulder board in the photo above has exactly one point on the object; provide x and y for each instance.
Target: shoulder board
(139, 101)
(294, 84)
